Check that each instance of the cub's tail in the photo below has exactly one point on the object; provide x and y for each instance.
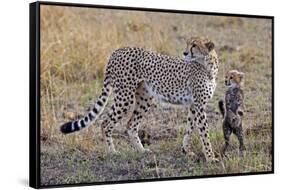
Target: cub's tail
(221, 107)
(91, 116)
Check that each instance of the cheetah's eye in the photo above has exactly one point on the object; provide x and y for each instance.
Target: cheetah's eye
(193, 45)
(230, 77)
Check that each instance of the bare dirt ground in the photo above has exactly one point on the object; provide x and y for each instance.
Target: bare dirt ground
(75, 46)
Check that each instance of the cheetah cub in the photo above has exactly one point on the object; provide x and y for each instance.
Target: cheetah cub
(232, 111)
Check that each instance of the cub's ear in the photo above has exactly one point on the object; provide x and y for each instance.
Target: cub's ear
(241, 74)
(210, 45)
(242, 79)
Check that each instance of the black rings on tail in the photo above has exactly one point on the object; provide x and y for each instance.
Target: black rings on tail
(221, 107)
(90, 117)
(66, 128)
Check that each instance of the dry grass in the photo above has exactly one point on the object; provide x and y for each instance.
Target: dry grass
(75, 46)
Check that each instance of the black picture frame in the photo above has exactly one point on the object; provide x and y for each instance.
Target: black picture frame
(34, 98)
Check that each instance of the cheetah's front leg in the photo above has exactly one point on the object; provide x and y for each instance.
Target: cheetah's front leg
(188, 133)
(202, 124)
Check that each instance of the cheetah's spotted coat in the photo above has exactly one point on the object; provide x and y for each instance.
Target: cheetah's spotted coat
(136, 75)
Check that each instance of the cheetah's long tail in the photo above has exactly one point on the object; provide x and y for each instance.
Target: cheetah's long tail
(91, 116)
(221, 107)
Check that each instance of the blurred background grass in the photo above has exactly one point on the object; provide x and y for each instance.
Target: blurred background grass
(75, 46)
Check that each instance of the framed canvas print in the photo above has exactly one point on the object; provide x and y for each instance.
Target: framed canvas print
(122, 94)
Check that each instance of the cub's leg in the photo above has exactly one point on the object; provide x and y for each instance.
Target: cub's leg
(227, 130)
(143, 102)
(189, 131)
(239, 133)
(123, 101)
(202, 124)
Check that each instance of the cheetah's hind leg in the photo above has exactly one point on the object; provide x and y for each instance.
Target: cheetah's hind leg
(143, 102)
(122, 103)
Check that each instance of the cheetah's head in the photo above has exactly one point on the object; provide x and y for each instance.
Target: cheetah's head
(234, 78)
(198, 47)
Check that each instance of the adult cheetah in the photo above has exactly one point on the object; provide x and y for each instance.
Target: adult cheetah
(136, 75)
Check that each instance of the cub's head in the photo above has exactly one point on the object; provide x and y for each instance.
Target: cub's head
(234, 78)
(197, 47)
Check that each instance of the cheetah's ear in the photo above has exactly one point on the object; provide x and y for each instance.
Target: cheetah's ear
(210, 45)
